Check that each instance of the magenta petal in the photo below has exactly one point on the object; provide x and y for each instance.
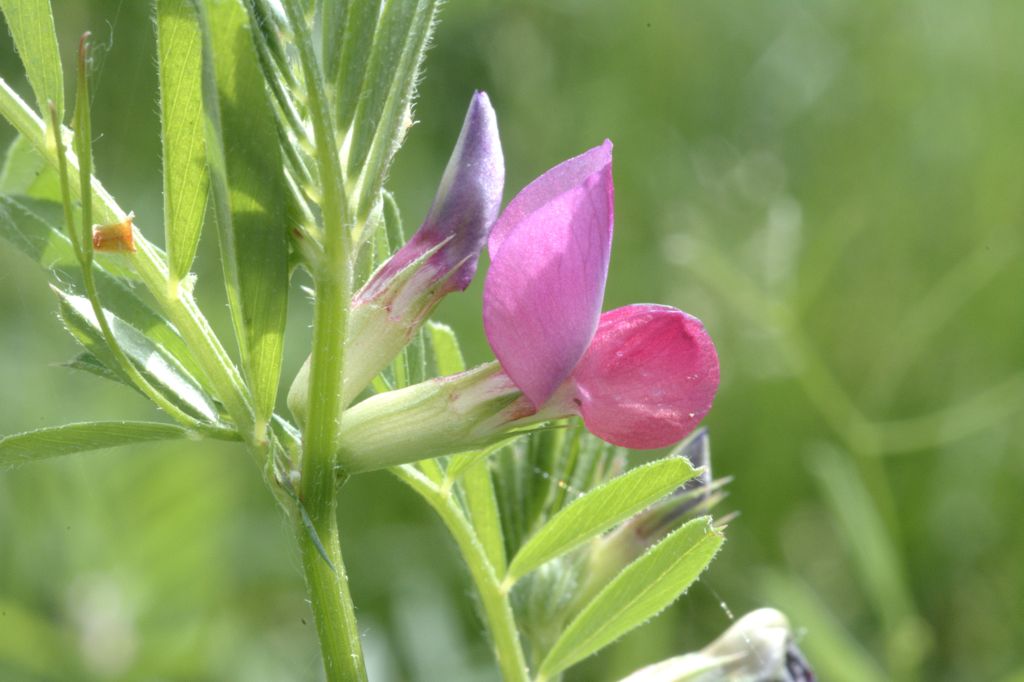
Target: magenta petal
(648, 378)
(543, 292)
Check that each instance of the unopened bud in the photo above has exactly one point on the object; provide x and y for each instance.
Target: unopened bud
(439, 259)
(466, 411)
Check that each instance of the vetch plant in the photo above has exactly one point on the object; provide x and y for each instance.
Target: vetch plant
(641, 376)
(288, 143)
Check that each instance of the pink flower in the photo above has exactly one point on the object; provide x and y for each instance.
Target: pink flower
(642, 376)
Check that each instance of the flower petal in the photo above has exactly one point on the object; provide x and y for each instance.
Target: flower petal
(549, 253)
(464, 208)
(562, 178)
(648, 378)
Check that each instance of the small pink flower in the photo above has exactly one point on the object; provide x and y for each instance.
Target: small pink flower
(642, 376)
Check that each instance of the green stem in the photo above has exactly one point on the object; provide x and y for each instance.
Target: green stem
(326, 582)
(497, 609)
(333, 275)
(327, 585)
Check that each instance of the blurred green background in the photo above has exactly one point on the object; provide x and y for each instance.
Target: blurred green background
(834, 187)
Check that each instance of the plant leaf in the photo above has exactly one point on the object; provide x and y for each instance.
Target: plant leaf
(87, 362)
(482, 505)
(599, 510)
(26, 173)
(250, 198)
(162, 371)
(447, 353)
(31, 25)
(180, 61)
(333, 17)
(382, 115)
(21, 224)
(31, 235)
(65, 440)
(360, 26)
(638, 593)
(402, 27)
(393, 228)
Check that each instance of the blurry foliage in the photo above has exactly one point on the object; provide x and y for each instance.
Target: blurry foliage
(833, 187)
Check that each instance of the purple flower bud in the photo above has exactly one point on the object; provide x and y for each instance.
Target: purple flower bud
(461, 217)
(440, 258)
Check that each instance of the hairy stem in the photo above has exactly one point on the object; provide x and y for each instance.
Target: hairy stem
(327, 585)
(325, 573)
(497, 610)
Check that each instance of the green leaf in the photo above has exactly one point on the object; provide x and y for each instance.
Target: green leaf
(482, 505)
(23, 226)
(65, 440)
(250, 198)
(333, 16)
(378, 247)
(383, 112)
(26, 173)
(31, 25)
(360, 26)
(638, 593)
(31, 235)
(599, 510)
(393, 228)
(161, 370)
(148, 263)
(545, 453)
(87, 362)
(180, 61)
(447, 353)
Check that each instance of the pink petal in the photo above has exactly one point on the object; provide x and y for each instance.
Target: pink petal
(549, 252)
(562, 178)
(648, 378)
